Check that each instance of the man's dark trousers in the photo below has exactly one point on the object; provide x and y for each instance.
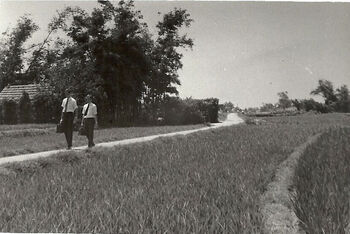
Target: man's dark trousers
(68, 118)
(90, 125)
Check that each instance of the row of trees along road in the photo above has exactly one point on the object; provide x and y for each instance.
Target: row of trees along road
(109, 52)
(335, 100)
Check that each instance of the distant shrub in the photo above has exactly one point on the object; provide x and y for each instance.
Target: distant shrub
(25, 108)
(177, 111)
(173, 109)
(210, 107)
(250, 121)
(190, 111)
(312, 105)
(343, 106)
(10, 111)
(46, 107)
(192, 115)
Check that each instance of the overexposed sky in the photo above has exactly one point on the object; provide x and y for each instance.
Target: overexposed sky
(244, 52)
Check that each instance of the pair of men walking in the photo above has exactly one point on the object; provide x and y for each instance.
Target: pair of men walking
(69, 117)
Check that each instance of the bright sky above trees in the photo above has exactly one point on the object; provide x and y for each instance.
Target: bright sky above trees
(244, 52)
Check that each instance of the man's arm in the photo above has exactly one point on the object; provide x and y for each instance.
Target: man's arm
(95, 116)
(75, 115)
(75, 112)
(96, 123)
(82, 116)
(62, 111)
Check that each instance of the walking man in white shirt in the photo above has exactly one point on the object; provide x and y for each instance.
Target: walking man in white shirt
(89, 119)
(68, 117)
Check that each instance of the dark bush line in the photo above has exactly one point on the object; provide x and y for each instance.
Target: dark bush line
(190, 111)
(10, 112)
(46, 107)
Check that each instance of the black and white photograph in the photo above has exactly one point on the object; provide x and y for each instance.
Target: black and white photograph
(147, 116)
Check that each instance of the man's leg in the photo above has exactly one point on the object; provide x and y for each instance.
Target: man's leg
(90, 131)
(65, 126)
(87, 128)
(66, 135)
(69, 129)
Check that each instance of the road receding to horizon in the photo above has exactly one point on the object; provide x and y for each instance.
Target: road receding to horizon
(232, 119)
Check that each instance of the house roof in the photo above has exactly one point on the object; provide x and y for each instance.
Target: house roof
(15, 91)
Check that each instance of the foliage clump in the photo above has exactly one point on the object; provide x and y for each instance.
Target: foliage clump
(10, 113)
(25, 108)
(190, 111)
(46, 107)
(108, 53)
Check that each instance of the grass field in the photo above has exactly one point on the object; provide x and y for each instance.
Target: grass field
(25, 126)
(322, 184)
(50, 140)
(32, 132)
(207, 182)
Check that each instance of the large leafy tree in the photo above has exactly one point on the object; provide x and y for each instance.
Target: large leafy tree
(284, 101)
(12, 53)
(21, 65)
(335, 99)
(326, 90)
(166, 57)
(129, 65)
(109, 52)
(112, 43)
(343, 97)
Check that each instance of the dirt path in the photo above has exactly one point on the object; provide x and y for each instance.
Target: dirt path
(277, 207)
(231, 120)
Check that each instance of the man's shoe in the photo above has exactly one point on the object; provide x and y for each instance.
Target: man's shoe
(69, 147)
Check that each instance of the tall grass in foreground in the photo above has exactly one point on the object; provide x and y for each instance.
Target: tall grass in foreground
(209, 182)
(322, 184)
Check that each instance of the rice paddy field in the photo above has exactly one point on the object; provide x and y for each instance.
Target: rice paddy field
(207, 182)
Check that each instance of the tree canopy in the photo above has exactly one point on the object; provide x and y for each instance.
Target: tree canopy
(11, 54)
(108, 52)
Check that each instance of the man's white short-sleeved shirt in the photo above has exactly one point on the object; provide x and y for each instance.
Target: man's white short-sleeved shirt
(71, 106)
(92, 111)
